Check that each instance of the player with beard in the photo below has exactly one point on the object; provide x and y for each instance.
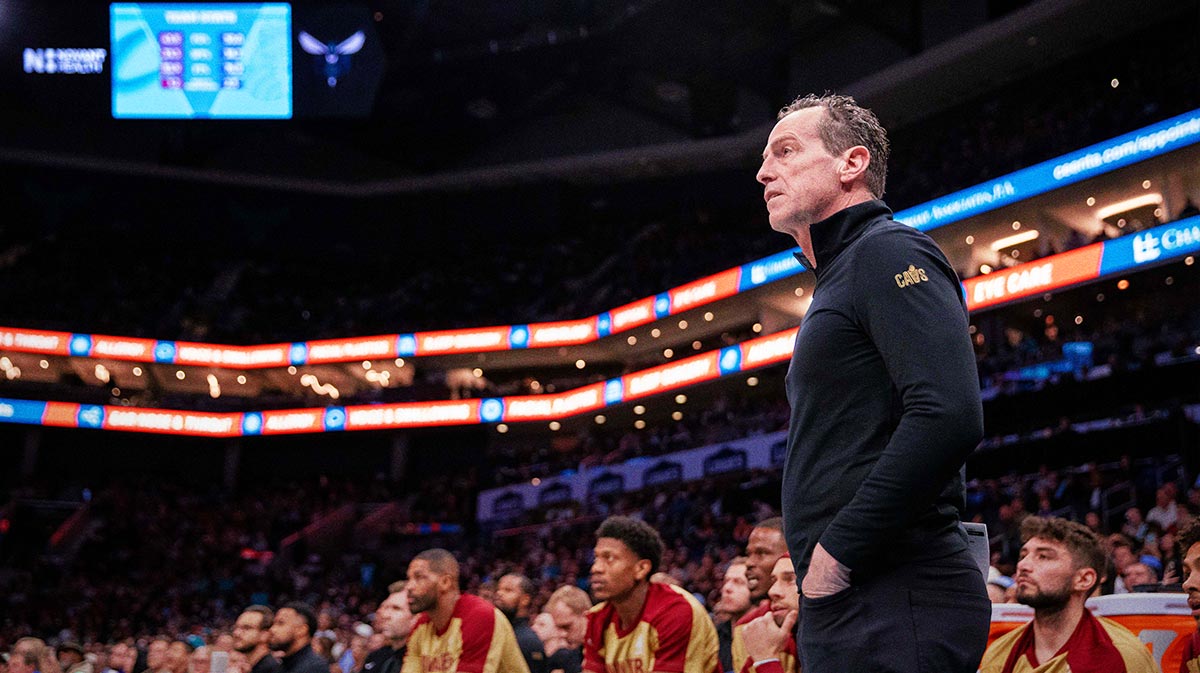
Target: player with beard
(770, 641)
(1189, 545)
(394, 620)
(765, 546)
(455, 631)
(292, 633)
(1062, 563)
(642, 626)
(251, 637)
(514, 595)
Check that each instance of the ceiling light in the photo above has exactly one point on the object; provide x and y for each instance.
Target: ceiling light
(1015, 239)
(1151, 199)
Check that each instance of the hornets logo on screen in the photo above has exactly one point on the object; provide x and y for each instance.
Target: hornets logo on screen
(334, 58)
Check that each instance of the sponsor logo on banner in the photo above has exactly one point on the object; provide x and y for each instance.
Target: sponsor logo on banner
(508, 505)
(335, 419)
(666, 377)
(35, 342)
(632, 315)
(58, 61)
(123, 349)
(663, 472)
(467, 341)
(705, 290)
(298, 354)
(765, 350)
(412, 414)
(725, 460)
(342, 350)
(252, 423)
(1044, 275)
(491, 410)
(80, 345)
(518, 336)
(554, 494)
(606, 484)
(562, 333)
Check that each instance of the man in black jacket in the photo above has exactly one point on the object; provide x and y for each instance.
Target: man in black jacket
(251, 637)
(395, 621)
(885, 409)
(514, 596)
(292, 633)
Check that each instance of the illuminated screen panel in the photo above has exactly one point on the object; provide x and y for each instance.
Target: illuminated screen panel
(199, 61)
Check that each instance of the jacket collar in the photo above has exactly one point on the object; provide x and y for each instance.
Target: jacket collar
(835, 233)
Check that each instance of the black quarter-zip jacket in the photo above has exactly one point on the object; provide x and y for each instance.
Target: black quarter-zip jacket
(884, 396)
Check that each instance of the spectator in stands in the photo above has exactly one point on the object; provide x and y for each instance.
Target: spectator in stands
(200, 660)
(997, 588)
(121, 658)
(627, 554)
(178, 653)
(568, 606)
(71, 658)
(22, 661)
(770, 639)
(251, 637)
(156, 655)
(1061, 566)
(1138, 575)
(395, 621)
(514, 596)
(764, 548)
(292, 633)
(1122, 555)
(731, 607)
(1135, 526)
(1189, 545)
(455, 631)
(1165, 511)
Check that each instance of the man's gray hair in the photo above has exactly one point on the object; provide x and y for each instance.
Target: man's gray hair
(846, 125)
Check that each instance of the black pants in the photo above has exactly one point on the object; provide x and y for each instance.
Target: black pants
(927, 617)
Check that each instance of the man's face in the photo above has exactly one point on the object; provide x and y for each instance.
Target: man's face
(289, 631)
(16, 662)
(424, 586)
(120, 657)
(509, 596)
(68, 658)
(1137, 574)
(616, 569)
(1122, 557)
(156, 655)
(763, 550)
(394, 618)
(201, 660)
(800, 177)
(1046, 574)
(784, 595)
(177, 657)
(1191, 579)
(248, 632)
(573, 626)
(735, 591)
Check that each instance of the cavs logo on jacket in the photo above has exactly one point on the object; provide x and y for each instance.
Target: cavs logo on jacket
(912, 276)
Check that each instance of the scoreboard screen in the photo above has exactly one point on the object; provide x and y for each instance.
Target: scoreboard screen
(196, 61)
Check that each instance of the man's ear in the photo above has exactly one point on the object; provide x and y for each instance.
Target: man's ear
(854, 164)
(641, 569)
(1086, 580)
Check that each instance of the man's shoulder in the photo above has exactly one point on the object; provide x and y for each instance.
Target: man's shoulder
(1122, 638)
(470, 606)
(668, 604)
(762, 609)
(997, 652)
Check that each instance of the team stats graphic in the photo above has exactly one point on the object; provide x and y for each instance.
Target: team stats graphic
(192, 61)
